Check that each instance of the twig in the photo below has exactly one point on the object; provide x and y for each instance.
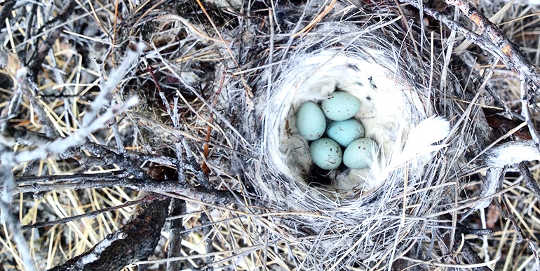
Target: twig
(201, 177)
(135, 241)
(206, 148)
(108, 157)
(6, 177)
(29, 180)
(76, 217)
(477, 39)
(114, 79)
(180, 165)
(524, 97)
(61, 145)
(317, 19)
(492, 40)
(488, 30)
(148, 185)
(177, 207)
(208, 241)
(529, 179)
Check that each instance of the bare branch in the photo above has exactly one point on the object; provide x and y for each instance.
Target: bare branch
(76, 217)
(135, 241)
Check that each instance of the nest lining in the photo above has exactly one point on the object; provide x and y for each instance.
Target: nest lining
(391, 111)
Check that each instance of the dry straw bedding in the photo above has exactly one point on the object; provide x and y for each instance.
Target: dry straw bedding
(220, 92)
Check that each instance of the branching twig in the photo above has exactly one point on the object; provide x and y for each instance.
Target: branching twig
(91, 123)
(488, 30)
(515, 58)
(493, 40)
(148, 185)
(136, 240)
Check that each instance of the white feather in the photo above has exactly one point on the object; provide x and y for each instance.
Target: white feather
(512, 153)
(421, 139)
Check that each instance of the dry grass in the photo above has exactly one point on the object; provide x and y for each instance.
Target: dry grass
(202, 71)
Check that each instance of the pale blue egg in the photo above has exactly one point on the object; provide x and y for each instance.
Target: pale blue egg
(359, 154)
(310, 121)
(326, 153)
(340, 106)
(345, 131)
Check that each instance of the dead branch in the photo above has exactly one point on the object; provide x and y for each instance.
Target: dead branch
(41, 52)
(76, 217)
(148, 185)
(178, 207)
(492, 33)
(135, 241)
(514, 56)
(493, 40)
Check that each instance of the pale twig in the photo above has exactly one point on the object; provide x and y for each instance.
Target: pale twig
(76, 217)
(115, 77)
(91, 124)
(148, 185)
(61, 145)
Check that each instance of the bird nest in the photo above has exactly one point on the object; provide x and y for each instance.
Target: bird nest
(200, 116)
(357, 216)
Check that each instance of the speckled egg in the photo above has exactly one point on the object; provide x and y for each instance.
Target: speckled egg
(340, 106)
(310, 121)
(358, 154)
(326, 153)
(345, 131)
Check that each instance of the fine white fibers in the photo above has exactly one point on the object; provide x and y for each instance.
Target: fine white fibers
(420, 139)
(387, 112)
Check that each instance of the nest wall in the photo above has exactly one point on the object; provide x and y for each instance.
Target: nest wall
(359, 218)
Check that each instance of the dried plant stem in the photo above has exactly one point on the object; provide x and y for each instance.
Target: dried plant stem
(148, 185)
(493, 40)
(529, 179)
(85, 215)
(14, 228)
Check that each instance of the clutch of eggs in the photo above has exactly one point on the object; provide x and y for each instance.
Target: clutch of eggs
(342, 131)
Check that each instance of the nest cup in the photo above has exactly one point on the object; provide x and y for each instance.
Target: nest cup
(392, 111)
(396, 90)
